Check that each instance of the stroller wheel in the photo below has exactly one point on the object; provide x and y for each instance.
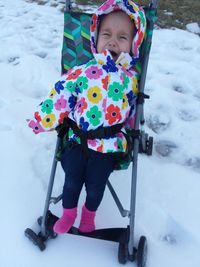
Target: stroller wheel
(142, 252)
(50, 221)
(49, 230)
(150, 146)
(53, 235)
(36, 239)
(122, 253)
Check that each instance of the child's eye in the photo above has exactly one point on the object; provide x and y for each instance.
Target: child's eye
(123, 37)
(105, 34)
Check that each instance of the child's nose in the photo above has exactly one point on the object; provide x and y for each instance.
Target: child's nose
(112, 43)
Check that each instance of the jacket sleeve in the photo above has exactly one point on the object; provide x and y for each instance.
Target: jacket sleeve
(51, 112)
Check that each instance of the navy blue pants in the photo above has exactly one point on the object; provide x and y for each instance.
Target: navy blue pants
(93, 171)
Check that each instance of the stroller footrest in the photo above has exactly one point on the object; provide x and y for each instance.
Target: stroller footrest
(109, 234)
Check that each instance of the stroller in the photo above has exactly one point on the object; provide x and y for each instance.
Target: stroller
(76, 51)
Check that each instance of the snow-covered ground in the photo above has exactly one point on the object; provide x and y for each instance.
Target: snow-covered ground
(168, 182)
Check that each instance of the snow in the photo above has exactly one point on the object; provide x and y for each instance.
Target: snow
(193, 27)
(168, 182)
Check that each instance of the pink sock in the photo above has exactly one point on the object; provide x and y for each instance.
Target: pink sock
(67, 220)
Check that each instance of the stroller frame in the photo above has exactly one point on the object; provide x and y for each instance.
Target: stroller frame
(142, 143)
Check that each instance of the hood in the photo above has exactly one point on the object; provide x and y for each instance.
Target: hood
(135, 12)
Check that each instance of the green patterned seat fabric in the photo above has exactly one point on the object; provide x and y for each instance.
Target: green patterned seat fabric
(76, 40)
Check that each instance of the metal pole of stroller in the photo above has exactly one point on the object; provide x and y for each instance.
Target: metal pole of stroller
(154, 3)
(50, 187)
(54, 165)
(139, 117)
(67, 5)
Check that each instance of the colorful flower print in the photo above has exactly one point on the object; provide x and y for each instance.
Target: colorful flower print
(94, 25)
(110, 65)
(143, 20)
(81, 84)
(113, 114)
(60, 103)
(37, 116)
(120, 135)
(118, 144)
(52, 93)
(59, 86)
(73, 137)
(115, 91)
(93, 49)
(72, 101)
(105, 82)
(91, 63)
(104, 105)
(100, 61)
(83, 124)
(107, 5)
(70, 86)
(125, 80)
(47, 106)
(94, 72)
(81, 105)
(94, 115)
(48, 121)
(130, 7)
(70, 132)
(140, 37)
(134, 61)
(105, 52)
(110, 151)
(93, 143)
(74, 74)
(127, 72)
(124, 101)
(94, 94)
(131, 98)
(62, 116)
(100, 148)
(135, 85)
(37, 128)
(125, 146)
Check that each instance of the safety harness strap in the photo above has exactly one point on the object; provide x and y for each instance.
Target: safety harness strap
(103, 132)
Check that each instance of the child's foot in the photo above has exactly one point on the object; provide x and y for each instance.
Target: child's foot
(67, 220)
(87, 220)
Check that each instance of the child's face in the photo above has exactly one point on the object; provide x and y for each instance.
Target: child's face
(115, 34)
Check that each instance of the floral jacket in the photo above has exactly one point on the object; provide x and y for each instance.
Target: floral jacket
(97, 94)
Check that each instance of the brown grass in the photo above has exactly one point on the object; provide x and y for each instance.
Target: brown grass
(171, 13)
